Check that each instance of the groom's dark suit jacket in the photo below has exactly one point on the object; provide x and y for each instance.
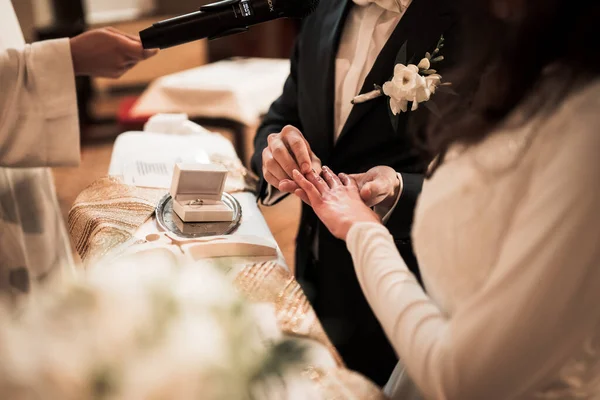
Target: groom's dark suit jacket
(367, 140)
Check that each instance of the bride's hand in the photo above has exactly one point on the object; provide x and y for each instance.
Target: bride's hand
(335, 200)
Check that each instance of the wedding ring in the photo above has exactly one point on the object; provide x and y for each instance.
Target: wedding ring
(197, 202)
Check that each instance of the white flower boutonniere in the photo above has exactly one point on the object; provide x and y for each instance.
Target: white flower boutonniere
(414, 84)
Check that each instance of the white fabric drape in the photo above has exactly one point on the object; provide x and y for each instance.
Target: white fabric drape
(38, 128)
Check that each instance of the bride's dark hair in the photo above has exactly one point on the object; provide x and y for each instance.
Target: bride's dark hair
(503, 59)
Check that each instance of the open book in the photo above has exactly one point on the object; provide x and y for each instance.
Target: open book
(157, 173)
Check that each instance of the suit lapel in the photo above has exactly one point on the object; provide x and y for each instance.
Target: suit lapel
(328, 43)
(421, 27)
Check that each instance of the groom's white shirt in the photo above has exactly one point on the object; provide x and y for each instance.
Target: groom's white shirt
(368, 27)
(38, 128)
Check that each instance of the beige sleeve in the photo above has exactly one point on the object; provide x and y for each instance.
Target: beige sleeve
(537, 306)
(39, 124)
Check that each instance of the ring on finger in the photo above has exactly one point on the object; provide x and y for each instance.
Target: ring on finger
(327, 171)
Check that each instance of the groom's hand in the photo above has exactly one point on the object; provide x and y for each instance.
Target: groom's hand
(378, 186)
(286, 151)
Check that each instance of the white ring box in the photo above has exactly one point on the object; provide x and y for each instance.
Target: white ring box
(202, 185)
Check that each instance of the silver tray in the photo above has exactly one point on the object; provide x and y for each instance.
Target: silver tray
(169, 221)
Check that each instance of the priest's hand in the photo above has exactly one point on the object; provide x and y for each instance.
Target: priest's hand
(107, 53)
(379, 186)
(335, 200)
(286, 151)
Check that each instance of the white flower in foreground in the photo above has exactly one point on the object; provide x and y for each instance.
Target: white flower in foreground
(139, 330)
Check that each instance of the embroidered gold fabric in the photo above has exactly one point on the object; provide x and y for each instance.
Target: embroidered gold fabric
(269, 282)
(107, 214)
(343, 384)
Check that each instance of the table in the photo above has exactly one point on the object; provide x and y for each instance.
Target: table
(232, 94)
(130, 144)
(260, 279)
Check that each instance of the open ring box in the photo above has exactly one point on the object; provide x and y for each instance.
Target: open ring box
(197, 191)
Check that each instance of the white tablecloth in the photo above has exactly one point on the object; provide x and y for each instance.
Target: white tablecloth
(240, 90)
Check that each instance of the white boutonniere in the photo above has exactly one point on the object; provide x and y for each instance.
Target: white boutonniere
(411, 84)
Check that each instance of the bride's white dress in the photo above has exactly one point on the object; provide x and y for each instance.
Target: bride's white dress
(507, 233)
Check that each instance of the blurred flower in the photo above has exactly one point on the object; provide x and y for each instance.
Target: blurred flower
(140, 330)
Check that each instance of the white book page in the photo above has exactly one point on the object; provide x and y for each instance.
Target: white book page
(157, 173)
(152, 174)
